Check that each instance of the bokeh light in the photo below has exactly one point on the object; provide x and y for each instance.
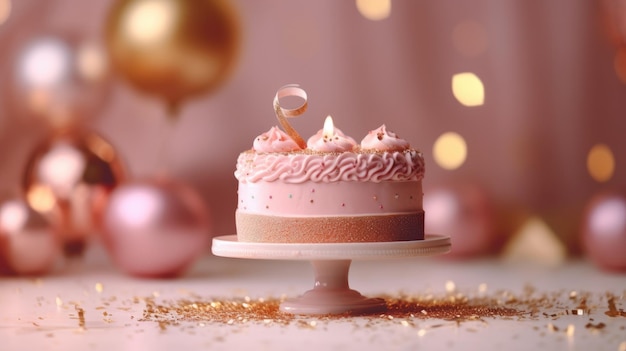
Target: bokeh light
(44, 62)
(61, 168)
(5, 10)
(468, 89)
(450, 150)
(469, 38)
(600, 163)
(608, 217)
(91, 61)
(41, 198)
(374, 10)
(142, 205)
(150, 22)
(13, 215)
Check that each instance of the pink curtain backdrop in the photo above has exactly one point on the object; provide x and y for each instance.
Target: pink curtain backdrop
(551, 93)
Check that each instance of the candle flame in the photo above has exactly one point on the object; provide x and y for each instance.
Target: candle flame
(329, 129)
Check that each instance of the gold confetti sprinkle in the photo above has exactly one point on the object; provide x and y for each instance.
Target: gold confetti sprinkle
(595, 326)
(421, 332)
(81, 316)
(582, 305)
(58, 301)
(99, 288)
(307, 324)
(613, 312)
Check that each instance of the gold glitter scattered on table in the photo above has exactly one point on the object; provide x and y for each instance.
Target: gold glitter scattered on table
(403, 309)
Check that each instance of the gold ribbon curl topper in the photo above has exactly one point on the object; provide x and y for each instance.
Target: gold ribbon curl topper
(283, 113)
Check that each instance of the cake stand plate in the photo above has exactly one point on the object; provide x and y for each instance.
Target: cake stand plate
(331, 293)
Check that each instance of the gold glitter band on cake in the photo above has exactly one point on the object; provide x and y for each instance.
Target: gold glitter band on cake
(283, 113)
(344, 229)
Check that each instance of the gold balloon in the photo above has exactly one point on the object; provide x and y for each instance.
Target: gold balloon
(68, 178)
(174, 49)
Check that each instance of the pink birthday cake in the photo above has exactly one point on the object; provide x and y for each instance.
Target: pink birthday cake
(331, 190)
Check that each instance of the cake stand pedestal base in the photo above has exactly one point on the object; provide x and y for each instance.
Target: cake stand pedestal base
(331, 293)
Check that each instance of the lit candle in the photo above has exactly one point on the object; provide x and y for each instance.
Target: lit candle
(330, 139)
(329, 128)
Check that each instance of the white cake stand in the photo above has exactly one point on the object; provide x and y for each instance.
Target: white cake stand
(331, 293)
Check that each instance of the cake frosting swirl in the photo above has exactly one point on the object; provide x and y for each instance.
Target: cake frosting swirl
(301, 166)
(330, 139)
(383, 140)
(274, 140)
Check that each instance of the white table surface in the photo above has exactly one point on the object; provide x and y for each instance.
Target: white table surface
(40, 313)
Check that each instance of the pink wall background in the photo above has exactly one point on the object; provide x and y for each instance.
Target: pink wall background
(551, 93)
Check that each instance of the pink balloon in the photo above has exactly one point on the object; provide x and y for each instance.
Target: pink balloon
(463, 212)
(155, 228)
(28, 243)
(604, 231)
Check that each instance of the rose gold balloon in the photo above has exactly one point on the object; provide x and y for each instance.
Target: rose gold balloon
(155, 228)
(68, 178)
(28, 243)
(463, 212)
(62, 78)
(174, 49)
(604, 231)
